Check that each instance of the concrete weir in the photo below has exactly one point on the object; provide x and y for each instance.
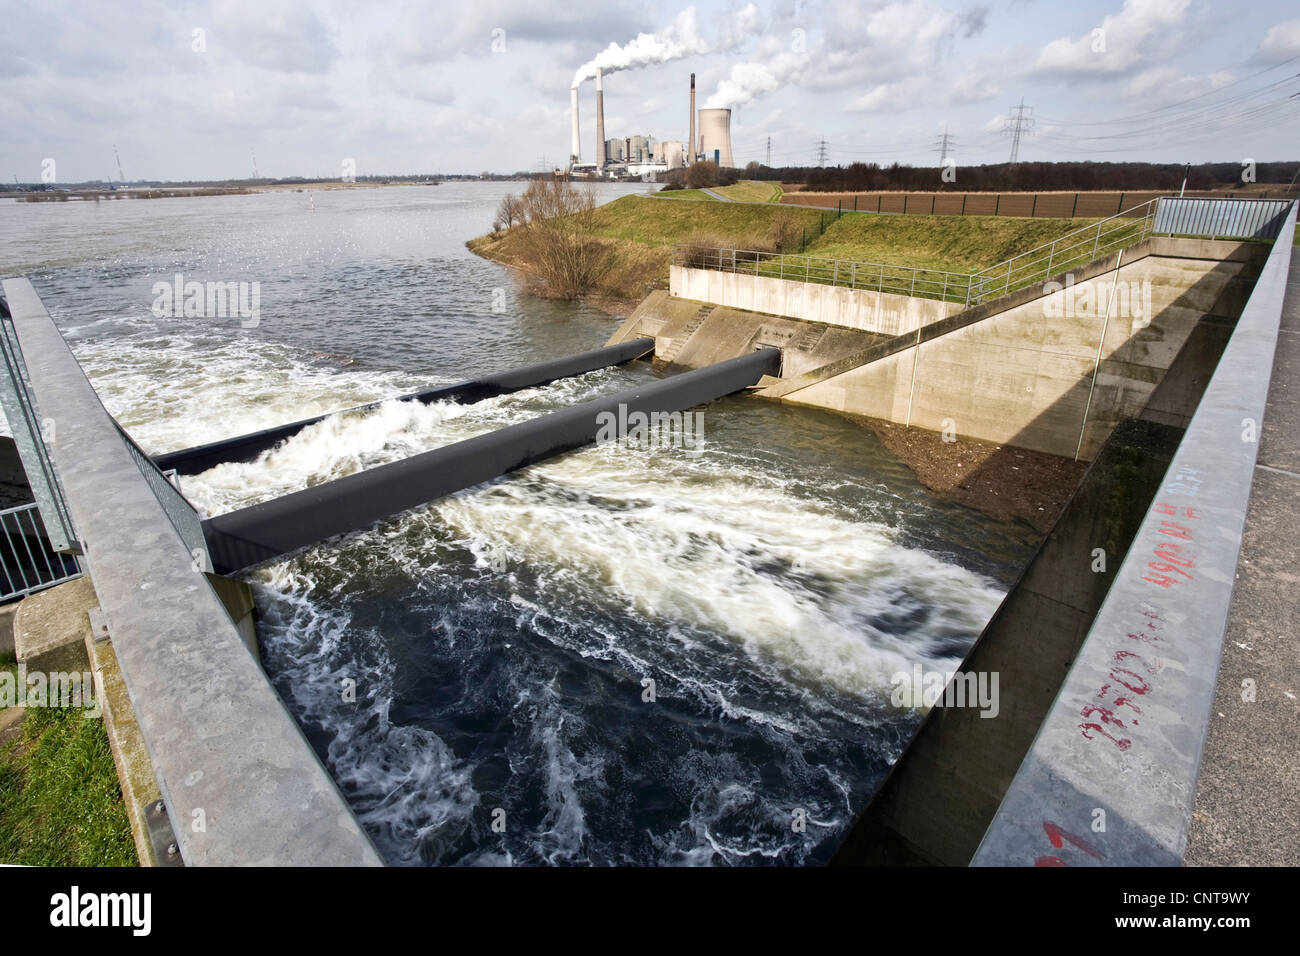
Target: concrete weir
(192, 461)
(259, 533)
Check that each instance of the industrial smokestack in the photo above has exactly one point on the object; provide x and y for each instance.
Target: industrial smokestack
(575, 149)
(600, 120)
(690, 142)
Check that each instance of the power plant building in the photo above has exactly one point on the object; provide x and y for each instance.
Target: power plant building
(715, 137)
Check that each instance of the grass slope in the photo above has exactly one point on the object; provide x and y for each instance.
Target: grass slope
(950, 243)
(59, 799)
(751, 190)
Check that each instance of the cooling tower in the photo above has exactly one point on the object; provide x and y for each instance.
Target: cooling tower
(715, 137)
(690, 140)
(575, 148)
(671, 152)
(600, 120)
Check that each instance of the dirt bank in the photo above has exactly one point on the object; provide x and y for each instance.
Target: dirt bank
(1001, 481)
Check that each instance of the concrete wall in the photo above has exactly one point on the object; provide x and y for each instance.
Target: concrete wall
(880, 312)
(690, 334)
(1033, 375)
(1162, 632)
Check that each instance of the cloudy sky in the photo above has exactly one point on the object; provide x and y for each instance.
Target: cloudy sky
(193, 90)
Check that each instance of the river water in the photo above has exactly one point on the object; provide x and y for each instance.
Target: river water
(502, 641)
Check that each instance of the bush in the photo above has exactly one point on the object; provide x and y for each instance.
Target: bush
(555, 232)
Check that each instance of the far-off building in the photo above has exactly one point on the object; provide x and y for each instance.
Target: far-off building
(715, 137)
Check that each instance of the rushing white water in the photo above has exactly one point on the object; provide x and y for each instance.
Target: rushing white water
(501, 639)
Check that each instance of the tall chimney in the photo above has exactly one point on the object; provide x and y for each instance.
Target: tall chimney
(690, 142)
(600, 120)
(575, 149)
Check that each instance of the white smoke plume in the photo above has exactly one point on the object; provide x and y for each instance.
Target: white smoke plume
(681, 38)
(764, 74)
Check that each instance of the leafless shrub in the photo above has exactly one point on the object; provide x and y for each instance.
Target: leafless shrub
(556, 237)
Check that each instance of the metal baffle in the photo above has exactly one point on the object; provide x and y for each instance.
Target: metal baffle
(29, 435)
(262, 532)
(193, 461)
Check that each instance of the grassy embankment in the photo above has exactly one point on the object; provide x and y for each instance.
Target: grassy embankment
(638, 233)
(699, 194)
(59, 799)
(751, 190)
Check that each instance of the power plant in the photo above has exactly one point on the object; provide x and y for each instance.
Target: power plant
(715, 137)
(643, 156)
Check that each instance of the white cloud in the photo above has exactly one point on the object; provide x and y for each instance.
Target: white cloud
(1281, 41)
(1121, 43)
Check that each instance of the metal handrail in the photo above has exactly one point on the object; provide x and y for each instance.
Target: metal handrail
(28, 560)
(1101, 238)
(1072, 250)
(843, 273)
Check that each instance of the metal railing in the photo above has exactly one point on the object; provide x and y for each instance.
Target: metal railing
(165, 486)
(28, 562)
(844, 273)
(1208, 218)
(1070, 251)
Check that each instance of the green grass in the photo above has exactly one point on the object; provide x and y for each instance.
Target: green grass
(645, 219)
(945, 243)
(59, 799)
(751, 190)
(686, 194)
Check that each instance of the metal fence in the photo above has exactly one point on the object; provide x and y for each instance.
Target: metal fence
(165, 486)
(868, 276)
(27, 560)
(1071, 251)
(1257, 219)
(1222, 218)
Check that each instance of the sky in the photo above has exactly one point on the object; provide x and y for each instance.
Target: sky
(215, 90)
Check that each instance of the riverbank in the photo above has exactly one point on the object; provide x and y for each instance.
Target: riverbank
(1003, 482)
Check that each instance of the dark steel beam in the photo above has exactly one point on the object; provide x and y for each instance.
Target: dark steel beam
(259, 533)
(193, 461)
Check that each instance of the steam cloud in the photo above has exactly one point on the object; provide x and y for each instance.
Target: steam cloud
(746, 81)
(679, 39)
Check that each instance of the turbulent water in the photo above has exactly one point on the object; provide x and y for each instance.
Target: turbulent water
(502, 641)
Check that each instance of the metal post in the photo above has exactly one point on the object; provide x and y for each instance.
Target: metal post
(853, 275)
(1051, 252)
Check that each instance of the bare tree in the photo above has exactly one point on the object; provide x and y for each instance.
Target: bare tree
(509, 213)
(557, 219)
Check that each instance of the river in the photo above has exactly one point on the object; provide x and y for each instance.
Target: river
(621, 656)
